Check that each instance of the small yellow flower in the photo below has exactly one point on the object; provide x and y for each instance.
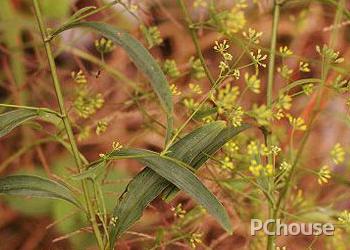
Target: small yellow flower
(285, 51)
(284, 102)
(338, 154)
(304, 66)
(234, 21)
(259, 58)
(221, 47)
(195, 88)
(255, 168)
(344, 217)
(324, 175)
(275, 150)
(237, 116)
(223, 66)
(285, 166)
(262, 114)
(195, 239)
(152, 35)
(285, 71)
(101, 127)
(190, 103)
(308, 88)
(231, 147)
(252, 36)
(170, 68)
(79, 77)
(297, 123)
(179, 211)
(104, 45)
(253, 83)
(252, 148)
(226, 98)
(279, 114)
(116, 146)
(264, 150)
(268, 170)
(174, 90)
(227, 163)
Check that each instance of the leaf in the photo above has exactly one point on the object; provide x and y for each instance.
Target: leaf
(142, 59)
(177, 173)
(12, 119)
(80, 12)
(211, 148)
(31, 185)
(147, 184)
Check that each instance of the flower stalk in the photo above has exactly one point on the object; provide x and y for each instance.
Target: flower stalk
(66, 122)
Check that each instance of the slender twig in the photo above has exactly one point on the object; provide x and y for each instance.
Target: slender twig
(270, 83)
(66, 121)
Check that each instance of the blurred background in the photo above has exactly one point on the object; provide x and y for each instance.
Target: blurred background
(117, 104)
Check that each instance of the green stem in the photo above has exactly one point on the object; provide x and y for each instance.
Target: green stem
(195, 40)
(270, 83)
(271, 73)
(66, 121)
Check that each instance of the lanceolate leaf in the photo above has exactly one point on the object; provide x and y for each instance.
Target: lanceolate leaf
(147, 185)
(142, 59)
(31, 185)
(211, 148)
(12, 119)
(177, 173)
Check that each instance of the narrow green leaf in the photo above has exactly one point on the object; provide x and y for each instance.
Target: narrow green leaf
(31, 185)
(80, 12)
(177, 173)
(142, 59)
(12, 119)
(211, 148)
(147, 184)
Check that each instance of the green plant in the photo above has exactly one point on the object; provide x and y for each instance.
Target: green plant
(256, 172)
(164, 172)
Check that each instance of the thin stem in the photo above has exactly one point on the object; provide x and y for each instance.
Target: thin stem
(271, 73)
(66, 121)
(270, 82)
(195, 40)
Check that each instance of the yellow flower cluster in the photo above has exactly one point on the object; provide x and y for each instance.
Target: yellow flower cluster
(258, 169)
(174, 90)
(179, 211)
(196, 238)
(227, 163)
(253, 83)
(226, 98)
(324, 175)
(297, 123)
(338, 154)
